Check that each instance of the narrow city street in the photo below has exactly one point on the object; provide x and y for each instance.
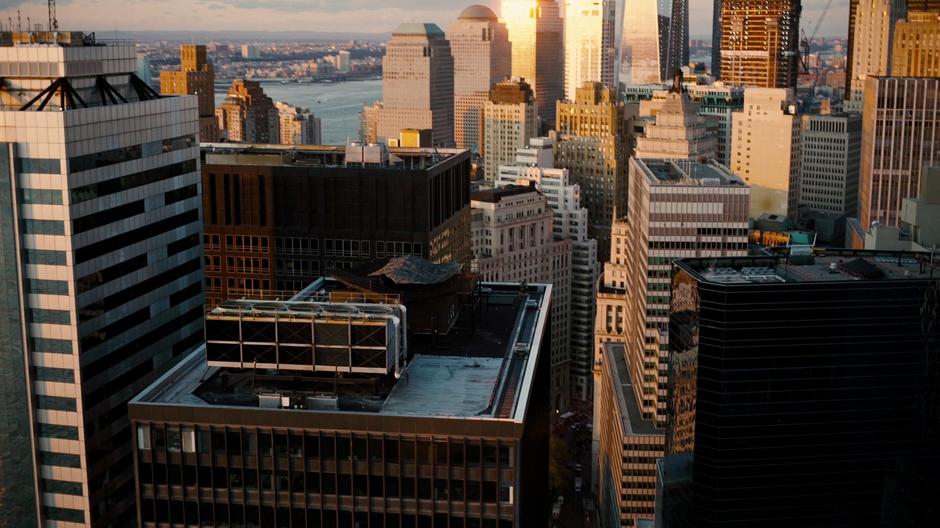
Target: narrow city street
(575, 433)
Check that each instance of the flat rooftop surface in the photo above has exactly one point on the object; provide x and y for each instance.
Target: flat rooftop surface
(313, 156)
(831, 266)
(445, 386)
(482, 368)
(687, 172)
(631, 416)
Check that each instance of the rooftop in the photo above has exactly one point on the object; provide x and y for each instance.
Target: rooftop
(630, 414)
(831, 265)
(483, 368)
(687, 172)
(419, 30)
(498, 193)
(324, 156)
(478, 12)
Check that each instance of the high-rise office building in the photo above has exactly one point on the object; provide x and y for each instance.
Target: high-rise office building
(830, 154)
(196, 76)
(715, 69)
(760, 42)
(277, 217)
(916, 51)
(482, 58)
(590, 47)
(417, 84)
(425, 403)
(535, 166)
(513, 241)
(765, 150)
(640, 50)
(900, 136)
(871, 30)
(298, 126)
(510, 119)
(593, 144)
(536, 33)
(677, 50)
(919, 229)
(248, 115)
(770, 416)
(101, 260)
(679, 132)
(718, 102)
(678, 208)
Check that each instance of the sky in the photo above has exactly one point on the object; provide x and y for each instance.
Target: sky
(366, 16)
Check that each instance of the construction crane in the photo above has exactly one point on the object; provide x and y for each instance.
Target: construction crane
(805, 42)
(53, 23)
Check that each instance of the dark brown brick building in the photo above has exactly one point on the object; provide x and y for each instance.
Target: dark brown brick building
(277, 217)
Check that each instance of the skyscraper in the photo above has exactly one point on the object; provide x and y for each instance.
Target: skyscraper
(196, 76)
(830, 153)
(760, 42)
(536, 33)
(101, 260)
(510, 119)
(593, 144)
(298, 126)
(513, 241)
(590, 50)
(417, 84)
(678, 208)
(900, 136)
(917, 45)
(871, 30)
(248, 115)
(535, 166)
(640, 50)
(482, 58)
(679, 132)
(765, 150)
(677, 53)
(773, 417)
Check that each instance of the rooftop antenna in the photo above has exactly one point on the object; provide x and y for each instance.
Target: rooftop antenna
(53, 23)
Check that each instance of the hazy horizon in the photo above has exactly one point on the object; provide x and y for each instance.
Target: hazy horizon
(328, 16)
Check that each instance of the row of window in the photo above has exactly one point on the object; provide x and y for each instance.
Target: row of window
(220, 515)
(131, 181)
(323, 483)
(40, 197)
(323, 446)
(133, 152)
(37, 166)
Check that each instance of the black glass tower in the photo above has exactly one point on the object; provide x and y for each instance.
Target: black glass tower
(806, 389)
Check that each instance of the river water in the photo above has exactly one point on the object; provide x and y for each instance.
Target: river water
(336, 104)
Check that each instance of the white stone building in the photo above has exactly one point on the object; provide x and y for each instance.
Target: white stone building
(482, 54)
(534, 166)
(100, 269)
(513, 241)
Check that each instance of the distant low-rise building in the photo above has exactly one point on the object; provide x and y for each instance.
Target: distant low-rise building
(248, 115)
(298, 126)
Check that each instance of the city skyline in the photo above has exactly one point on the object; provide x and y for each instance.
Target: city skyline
(350, 16)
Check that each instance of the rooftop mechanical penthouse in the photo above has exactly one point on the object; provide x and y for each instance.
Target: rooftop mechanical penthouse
(399, 394)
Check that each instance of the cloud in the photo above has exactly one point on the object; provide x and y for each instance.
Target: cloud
(322, 15)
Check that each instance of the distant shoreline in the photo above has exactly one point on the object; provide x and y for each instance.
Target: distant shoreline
(268, 80)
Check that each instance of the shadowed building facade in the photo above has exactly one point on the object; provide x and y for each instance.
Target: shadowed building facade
(362, 419)
(279, 216)
(789, 415)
